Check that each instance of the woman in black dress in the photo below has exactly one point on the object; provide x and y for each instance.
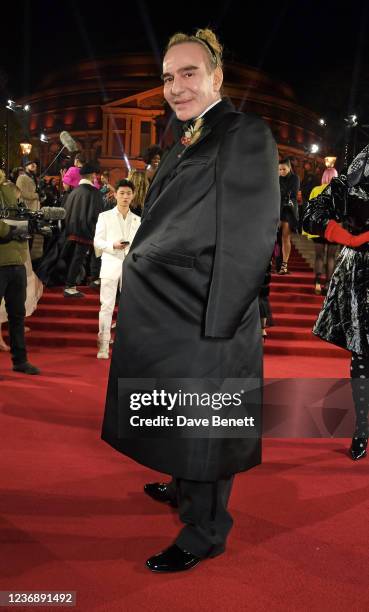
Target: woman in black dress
(289, 185)
(341, 215)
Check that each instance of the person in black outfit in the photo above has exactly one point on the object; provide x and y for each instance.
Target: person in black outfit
(83, 207)
(189, 304)
(13, 286)
(308, 183)
(289, 185)
(341, 215)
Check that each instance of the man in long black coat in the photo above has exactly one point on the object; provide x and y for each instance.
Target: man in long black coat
(189, 304)
(83, 207)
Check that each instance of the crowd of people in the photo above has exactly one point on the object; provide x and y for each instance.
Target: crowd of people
(75, 256)
(87, 247)
(74, 259)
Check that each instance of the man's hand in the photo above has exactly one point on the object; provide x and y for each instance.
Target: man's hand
(119, 246)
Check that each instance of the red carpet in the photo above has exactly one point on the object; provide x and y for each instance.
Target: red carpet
(74, 517)
(74, 322)
(295, 309)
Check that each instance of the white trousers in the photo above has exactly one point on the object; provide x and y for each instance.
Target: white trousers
(108, 293)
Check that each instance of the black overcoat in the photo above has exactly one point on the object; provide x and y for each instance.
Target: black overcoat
(189, 303)
(82, 209)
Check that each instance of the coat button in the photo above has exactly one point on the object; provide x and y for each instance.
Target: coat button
(134, 257)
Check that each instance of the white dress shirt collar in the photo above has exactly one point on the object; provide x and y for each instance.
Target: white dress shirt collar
(117, 211)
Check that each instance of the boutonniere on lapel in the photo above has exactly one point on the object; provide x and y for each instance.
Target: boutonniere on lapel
(193, 132)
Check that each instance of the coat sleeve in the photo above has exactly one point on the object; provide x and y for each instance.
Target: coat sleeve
(94, 206)
(5, 232)
(68, 205)
(28, 191)
(329, 204)
(100, 239)
(247, 210)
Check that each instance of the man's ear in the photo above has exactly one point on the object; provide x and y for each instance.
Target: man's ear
(217, 79)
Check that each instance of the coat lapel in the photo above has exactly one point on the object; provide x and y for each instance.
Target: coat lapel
(178, 152)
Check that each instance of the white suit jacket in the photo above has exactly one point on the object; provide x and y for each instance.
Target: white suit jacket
(108, 231)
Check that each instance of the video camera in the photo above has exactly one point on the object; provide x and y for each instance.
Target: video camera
(38, 222)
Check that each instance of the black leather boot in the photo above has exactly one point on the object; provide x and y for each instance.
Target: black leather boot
(358, 448)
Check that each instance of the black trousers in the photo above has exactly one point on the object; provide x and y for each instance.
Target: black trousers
(203, 508)
(78, 260)
(13, 287)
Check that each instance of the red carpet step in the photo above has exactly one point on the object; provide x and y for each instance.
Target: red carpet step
(295, 309)
(73, 322)
(65, 322)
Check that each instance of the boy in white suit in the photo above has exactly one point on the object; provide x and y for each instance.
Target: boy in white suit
(114, 234)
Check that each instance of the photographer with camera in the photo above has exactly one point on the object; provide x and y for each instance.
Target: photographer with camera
(13, 285)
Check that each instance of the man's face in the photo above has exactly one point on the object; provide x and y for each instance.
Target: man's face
(124, 196)
(189, 87)
(283, 169)
(32, 168)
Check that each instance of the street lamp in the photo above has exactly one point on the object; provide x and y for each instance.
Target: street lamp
(351, 120)
(11, 105)
(44, 139)
(26, 149)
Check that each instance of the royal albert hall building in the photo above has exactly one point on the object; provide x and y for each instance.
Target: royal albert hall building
(114, 108)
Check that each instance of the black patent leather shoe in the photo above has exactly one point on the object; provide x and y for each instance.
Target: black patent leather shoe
(159, 492)
(358, 448)
(173, 559)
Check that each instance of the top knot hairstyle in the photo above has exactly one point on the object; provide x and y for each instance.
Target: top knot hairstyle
(207, 39)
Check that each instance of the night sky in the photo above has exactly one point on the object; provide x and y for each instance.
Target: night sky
(321, 49)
